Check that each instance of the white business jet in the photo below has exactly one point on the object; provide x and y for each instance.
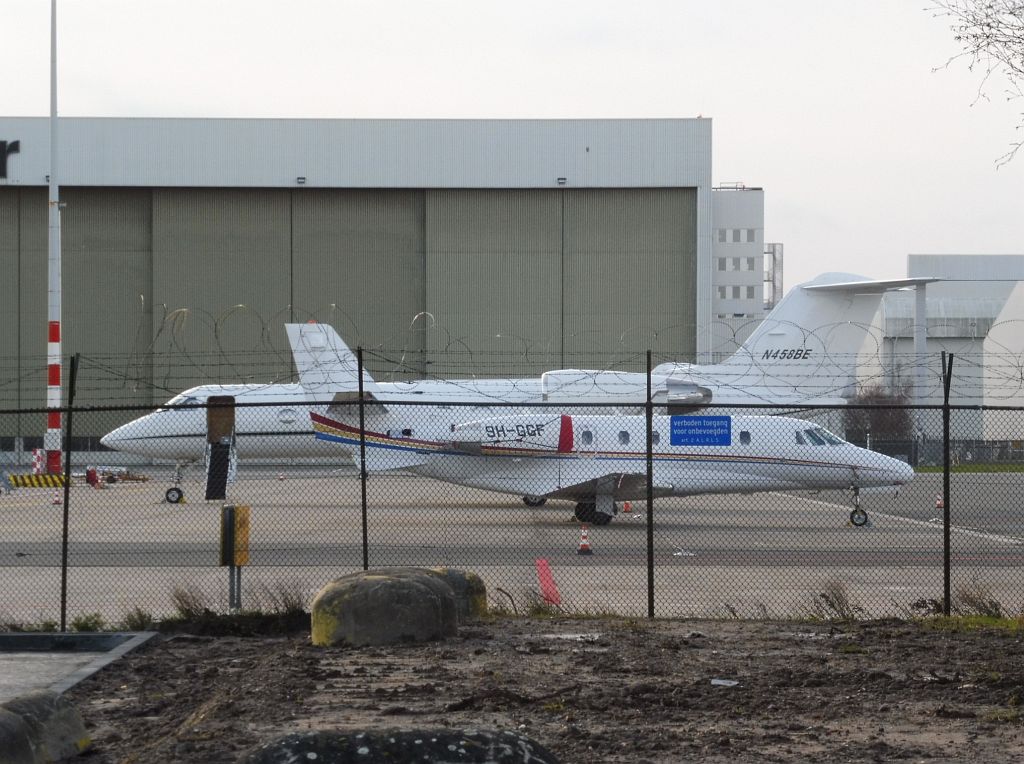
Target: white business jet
(598, 460)
(805, 351)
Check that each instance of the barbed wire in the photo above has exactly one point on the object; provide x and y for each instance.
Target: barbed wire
(241, 346)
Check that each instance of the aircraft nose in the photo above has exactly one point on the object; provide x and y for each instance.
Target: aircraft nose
(115, 437)
(899, 471)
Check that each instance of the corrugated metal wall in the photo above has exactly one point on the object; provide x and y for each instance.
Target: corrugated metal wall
(168, 288)
(630, 274)
(10, 366)
(221, 280)
(494, 281)
(358, 263)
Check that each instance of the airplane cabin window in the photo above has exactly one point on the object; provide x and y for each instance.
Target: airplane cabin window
(587, 437)
(814, 437)
(623, 437)
(800, 438)
(744, 437)
(655, 437)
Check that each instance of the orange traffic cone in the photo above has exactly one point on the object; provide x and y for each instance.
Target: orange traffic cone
(939, 504)
(584, 542)
(627, 507)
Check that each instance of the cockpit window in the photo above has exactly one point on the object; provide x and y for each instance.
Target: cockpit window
(179, 400)
(819, 436)
(801, 441)
(814, 437)
(832, 440)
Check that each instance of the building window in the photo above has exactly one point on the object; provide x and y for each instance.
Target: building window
(750, 293)
(751, 234)
(736, 235)
(735, 293)
(735, 263)
(721, 293)
(722, 235)
(750, 263)
(721, 263)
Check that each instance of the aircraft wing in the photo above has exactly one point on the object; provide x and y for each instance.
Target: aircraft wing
(621, 486)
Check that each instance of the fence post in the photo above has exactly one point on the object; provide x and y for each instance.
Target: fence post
(67, 497)
(362, 459)
(947, 377)
(649, 406)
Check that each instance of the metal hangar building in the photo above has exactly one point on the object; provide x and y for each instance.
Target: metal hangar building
(442, 245)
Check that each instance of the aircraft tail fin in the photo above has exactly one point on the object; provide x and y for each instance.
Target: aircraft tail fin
(809, 344)
(325, 364)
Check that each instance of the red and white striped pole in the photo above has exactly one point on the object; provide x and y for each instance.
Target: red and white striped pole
(52, 439)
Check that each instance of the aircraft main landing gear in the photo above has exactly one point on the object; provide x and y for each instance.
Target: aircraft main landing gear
(858, 516)
(586, 512)
(534, 501)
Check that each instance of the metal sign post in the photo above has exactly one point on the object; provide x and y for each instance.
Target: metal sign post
(234, 549)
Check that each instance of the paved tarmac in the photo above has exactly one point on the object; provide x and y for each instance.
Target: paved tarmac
(758, 555)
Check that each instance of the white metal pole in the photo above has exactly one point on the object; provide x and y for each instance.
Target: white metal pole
(920, 353)
(52, 439)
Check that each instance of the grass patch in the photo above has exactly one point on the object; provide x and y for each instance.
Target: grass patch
(967, 623)
(834, 603)
(138, 619)
(88, 622)
(282, 597)
(1002, 715)
(974, 467)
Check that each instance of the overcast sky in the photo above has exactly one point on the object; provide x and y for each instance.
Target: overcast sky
(867, 148)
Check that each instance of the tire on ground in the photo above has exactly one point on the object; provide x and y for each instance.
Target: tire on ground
(384, 606)
(470, 592)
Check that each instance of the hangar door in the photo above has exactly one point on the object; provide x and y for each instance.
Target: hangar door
(536, 279)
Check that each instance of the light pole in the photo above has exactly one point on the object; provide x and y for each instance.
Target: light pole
(52, 439)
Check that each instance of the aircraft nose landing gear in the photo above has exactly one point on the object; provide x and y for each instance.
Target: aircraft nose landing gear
(174, 494)
(858, 516)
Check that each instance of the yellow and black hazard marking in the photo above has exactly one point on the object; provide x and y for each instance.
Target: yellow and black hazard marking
(36, 481)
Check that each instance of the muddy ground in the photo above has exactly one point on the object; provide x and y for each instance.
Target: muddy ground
(590, 690)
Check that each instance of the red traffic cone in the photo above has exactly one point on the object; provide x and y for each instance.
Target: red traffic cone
(939, 504)
(584, 542)
(627, 507)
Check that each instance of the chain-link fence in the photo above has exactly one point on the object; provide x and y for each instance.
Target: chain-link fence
(724, 512)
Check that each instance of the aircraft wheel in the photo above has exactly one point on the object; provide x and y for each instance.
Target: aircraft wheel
(600, 518)
(535, 501)
(174, 495)
(859, 517)
(585, 512)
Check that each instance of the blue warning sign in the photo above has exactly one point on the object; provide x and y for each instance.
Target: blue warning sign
(701, 430)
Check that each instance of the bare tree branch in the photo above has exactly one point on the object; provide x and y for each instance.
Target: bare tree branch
(991, 37)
